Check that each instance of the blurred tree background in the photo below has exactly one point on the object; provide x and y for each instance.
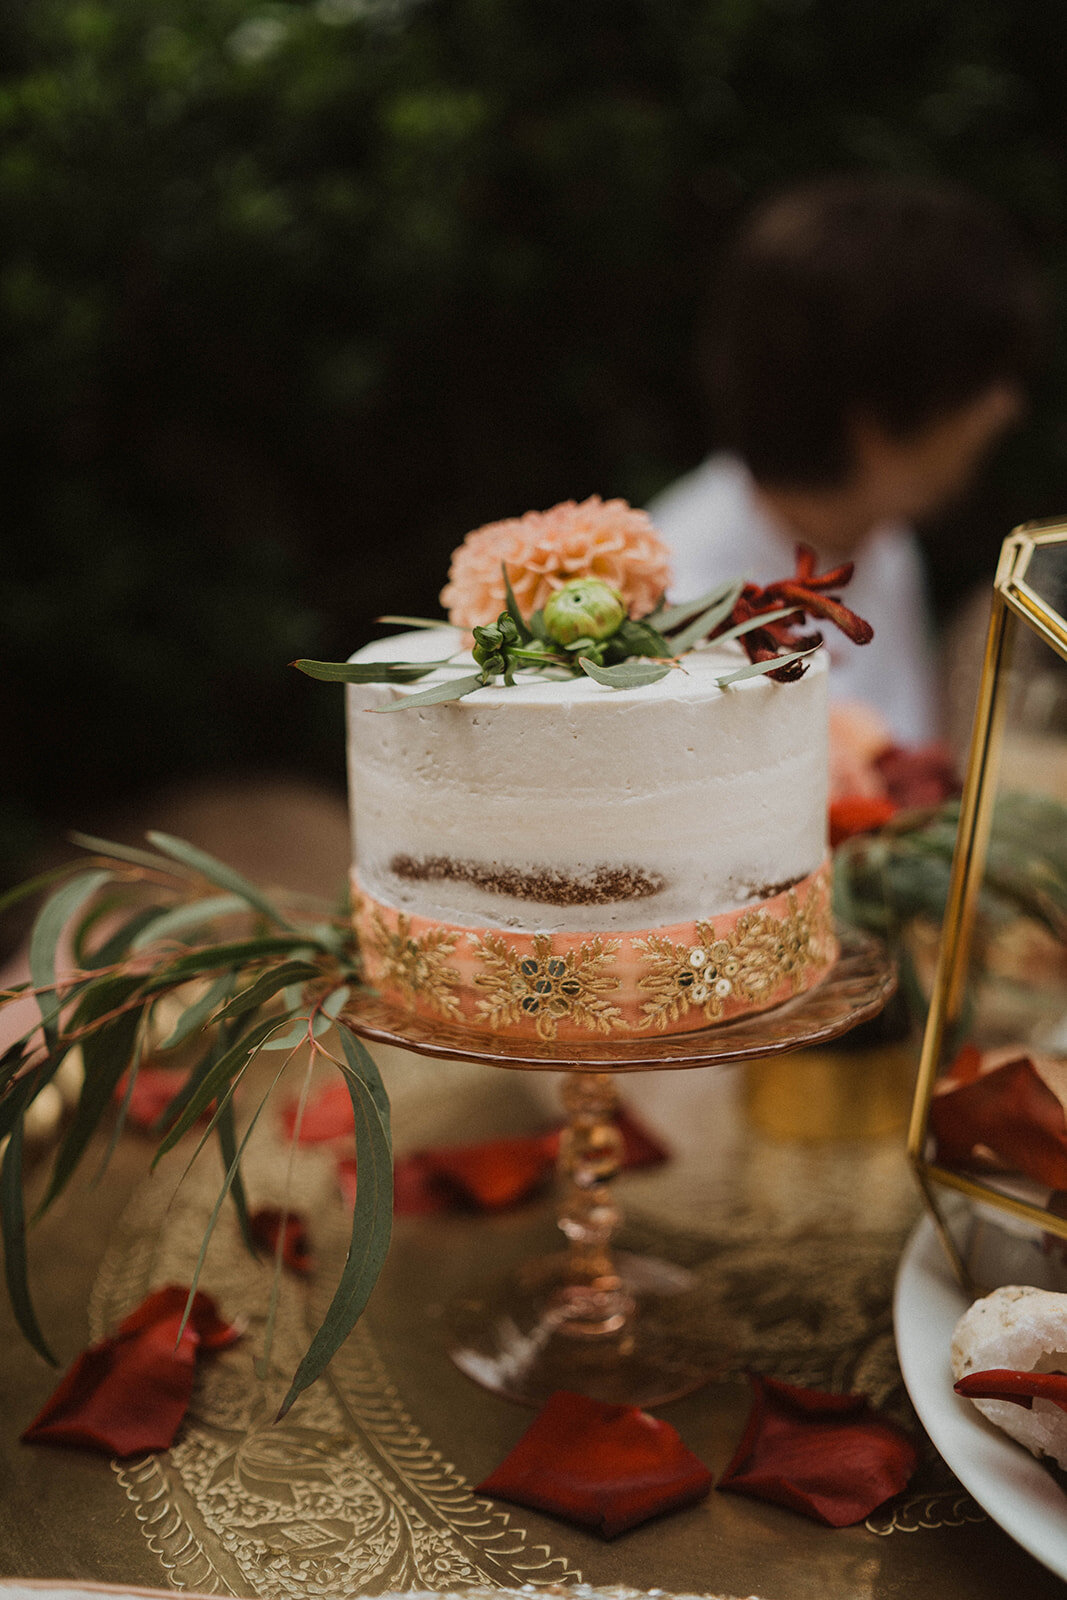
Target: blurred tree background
(294, 295)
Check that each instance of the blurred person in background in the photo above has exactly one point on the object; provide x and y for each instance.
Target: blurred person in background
(871, 340)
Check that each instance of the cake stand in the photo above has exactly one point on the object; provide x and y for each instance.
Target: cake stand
(612, 1326)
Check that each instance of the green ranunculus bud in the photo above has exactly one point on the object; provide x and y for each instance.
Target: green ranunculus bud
(585, 608)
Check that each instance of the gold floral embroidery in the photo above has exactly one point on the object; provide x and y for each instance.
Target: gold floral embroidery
(544, 987)
(417, 966)
(748, 963)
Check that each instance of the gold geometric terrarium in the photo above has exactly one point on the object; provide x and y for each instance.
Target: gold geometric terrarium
(988, 1133)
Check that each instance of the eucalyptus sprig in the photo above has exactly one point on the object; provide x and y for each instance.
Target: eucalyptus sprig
(248, 973)
(584, 628)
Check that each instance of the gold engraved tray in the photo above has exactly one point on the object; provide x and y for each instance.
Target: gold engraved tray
(366, 1488)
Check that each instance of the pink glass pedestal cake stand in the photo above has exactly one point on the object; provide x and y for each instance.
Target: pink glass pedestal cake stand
(586, 1318)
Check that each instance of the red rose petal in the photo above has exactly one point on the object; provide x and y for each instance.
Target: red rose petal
(129, 1393)
(265, 1226)
(328, 1115)
(1022, 1388)
(154, 1091)
(1009, 1111)
(604, 1467)
(923, 775)
(493, 1174)
(828, 1456)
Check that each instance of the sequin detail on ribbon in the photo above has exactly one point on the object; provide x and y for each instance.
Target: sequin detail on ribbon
(670, 979)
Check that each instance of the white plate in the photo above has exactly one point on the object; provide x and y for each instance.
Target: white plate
(1005, 1479)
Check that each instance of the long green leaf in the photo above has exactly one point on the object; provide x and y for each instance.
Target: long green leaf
(706, 621)
(13, 1226)
(218, 873)
(22, 891)
(512, 607)
(126, 938)
(757, 669)
(665, 617)
(748, 626)
(369, 671)
(215, 1082)
(627, 675)
(454, 689)
(240, 953)
(190, 914)
(416, 622)
(231, 1177)
(199, 1012)
(372, 1215)
(124, 852)
(107, 1053)
(53, 917)
(226, 1128)
(267, 986)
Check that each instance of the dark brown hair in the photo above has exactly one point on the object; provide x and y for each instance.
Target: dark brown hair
(898, 299)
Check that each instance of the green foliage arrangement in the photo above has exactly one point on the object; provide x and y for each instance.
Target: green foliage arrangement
(269, 975)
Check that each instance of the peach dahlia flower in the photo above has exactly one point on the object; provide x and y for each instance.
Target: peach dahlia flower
(542, 550)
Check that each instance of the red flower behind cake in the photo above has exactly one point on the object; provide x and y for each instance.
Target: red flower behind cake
(605, 539)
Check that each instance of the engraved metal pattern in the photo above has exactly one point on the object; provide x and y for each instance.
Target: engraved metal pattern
(345, 1496)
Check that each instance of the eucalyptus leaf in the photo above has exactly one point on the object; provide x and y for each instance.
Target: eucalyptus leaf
(705, 621)
(22, 891)
(217, 1080)
(512, 608)
(226, 1128)
(125, 939)
(369, 671)
(190, 914)
(52, 918)
(199, 1012)
(372, 1214)
(748, 626)
(124, 852)
(639, 639)
(230, 1179)
(454, 689)
(267, 986)
(235, 954)
(757, 669)
(13, 1227)
(218, 873)
(416, 622)
(107, 1053)
(627, 675)
(664, 618)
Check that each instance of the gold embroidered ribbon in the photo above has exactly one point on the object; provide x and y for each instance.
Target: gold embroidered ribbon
(571, 985)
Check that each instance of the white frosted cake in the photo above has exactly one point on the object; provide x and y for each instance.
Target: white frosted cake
(560, 859)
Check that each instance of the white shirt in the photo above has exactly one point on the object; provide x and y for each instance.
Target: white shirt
(717, 529)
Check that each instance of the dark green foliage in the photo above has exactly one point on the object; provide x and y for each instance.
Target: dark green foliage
(295, 294)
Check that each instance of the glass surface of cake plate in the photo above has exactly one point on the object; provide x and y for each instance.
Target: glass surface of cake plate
(621, 1328)
(1007, 1482)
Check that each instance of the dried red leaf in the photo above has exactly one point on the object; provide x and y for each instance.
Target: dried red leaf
(1022, 1388)
(853, 814)
(605, 1467)
(129, 1393)
(1009, 1111)
(828, 1456)
(806, 595)
(268, 1224)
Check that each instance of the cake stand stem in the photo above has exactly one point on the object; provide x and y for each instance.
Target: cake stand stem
(591, 1301)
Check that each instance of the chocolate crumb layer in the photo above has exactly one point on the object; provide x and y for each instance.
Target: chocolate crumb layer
(767, 891)
(546, 885)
